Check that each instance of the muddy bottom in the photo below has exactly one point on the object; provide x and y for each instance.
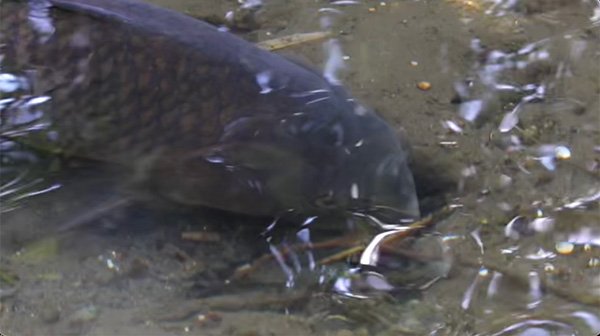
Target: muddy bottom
(501, 102)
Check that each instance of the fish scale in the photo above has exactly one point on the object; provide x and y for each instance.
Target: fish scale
(205, 117)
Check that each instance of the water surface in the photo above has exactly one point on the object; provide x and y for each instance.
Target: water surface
(508, 132)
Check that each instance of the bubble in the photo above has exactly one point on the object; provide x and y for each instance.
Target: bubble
(562, 153)
(564, 247)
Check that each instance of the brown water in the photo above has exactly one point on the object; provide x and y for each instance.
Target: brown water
(509, 132)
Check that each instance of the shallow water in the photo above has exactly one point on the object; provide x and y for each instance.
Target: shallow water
(508, 133)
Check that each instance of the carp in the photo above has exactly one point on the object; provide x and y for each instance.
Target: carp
(200, 116)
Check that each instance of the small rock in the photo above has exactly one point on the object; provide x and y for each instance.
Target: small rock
(504, 181)
(209, 319)
(138, 268)
(49, 313)
(84, 315)
(424, 86)
(104, 276)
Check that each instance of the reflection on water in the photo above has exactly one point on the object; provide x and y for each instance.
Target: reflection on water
(513, 107)
(20, 168)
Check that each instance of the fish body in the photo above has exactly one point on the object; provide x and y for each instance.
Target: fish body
(200, 116)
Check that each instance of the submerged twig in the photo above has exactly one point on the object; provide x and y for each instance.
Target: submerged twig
(410, 230)
(246, 270)
(342, 255)
(292, 40)
(201, 236)
(356, 244)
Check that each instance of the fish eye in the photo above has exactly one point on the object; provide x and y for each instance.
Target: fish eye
(331, 136)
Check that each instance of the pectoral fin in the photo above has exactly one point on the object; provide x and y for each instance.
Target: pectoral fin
(253, 177)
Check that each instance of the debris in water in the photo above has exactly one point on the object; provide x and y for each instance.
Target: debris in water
(565, 247)
(504, 181)
(542, 224)
(550, 153)
(424, 86)
(469, 171)
(582, 202)
(562, 153)
(293, 40)
(510, 120)
(541, 254)
(493, 286)
(535, 290)
(10, 83)
(468, 295)
(472, 6)
(549, 268)
(208, 319)
(449, 144)
(475, 235)
(335, 60)
(201, 236)
(452, 126)
(514, 227)
(345, 2)
(38, 252)
(84, 315)
(470, 110)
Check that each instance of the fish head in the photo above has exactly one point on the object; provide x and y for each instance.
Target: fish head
(363, 168)
(334, 158)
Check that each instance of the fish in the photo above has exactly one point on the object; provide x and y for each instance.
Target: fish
(199, 116)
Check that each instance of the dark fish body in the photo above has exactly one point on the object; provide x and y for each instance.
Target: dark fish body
(199, 115)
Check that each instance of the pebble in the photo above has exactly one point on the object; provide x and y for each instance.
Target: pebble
(424, 86)
(562, 153)
(565, 247)
(504, 181)
(209, 319)
(138, 268)
(49, 313)
(84, 315)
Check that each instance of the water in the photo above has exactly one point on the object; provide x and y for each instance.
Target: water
(508, 132)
